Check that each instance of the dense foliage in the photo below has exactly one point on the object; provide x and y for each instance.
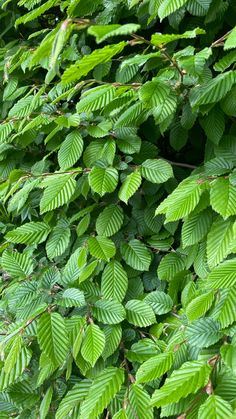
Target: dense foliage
(118, 205)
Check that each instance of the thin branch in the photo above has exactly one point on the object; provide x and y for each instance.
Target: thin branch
(162, 51)
(219, 42)
(189, 166)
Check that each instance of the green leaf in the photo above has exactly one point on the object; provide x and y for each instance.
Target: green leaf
(73, 398)
(160, 39)
(83, 225)
(57, 193)
(52, 337)
(153, 93)
(96, 98)
(23, 360)
(224, 311)
(225, 62)
(200, 305)
(228, 353)
(154, 367)
(139, 313)
(99, 150)
(109, 311)
(121, 414)
(45, 404)
(72, 297)
(88, 62)
(29, 233)
(130, 186)
(223, 276)
(103, 32)
(136, 255)
(87, 271)
(5, 131)
(28, 17)
(103, 180)
(222, 197)
(58, 240)
(72, 268)
(110, 220)
(170, 265)
(220, 241)
(70, 150)
(113, 335)
(195, 227)
(231, 40)
(203, 333)
(160, 302)
(214, 90)
(156, 171)
(214, 124)
(101, 247)
(104, 387)
(169, 6)
(114, 282)
(139, 403)
(13, 354)
(17, 264)
(188, 379)
(93, 344)
(133, 116)
(216, 408)
(182, 200)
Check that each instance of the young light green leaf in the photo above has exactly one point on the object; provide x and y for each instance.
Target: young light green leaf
(139, 313)
(160, 302)
(58, 192)
(45, 404)
(109, 220)
(58, 240)
(203, 332)
(29, 233)
(224, 275)
(103, 180)
(200, 305)
(104, 387)
(52, 337)
(88, 62)
(231, 40)
(188, 379)
(154, 367)
(103, 32)
(216, 408)
(70, 150)
(182, 200)
(136, 255)
(160, 39)
(17, 264)
(223, 197)
(156, 171)
(101, 247)
(139, 403)
(220, 241)
(214, 90)
(170, 265)
(93, 344)
(130, 186)
(109, 311)
(96, 98)
(169, 6)
(114, 282)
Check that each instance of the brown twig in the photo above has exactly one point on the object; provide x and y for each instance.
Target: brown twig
(189, 166)
(163, 51)
(219, 42)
